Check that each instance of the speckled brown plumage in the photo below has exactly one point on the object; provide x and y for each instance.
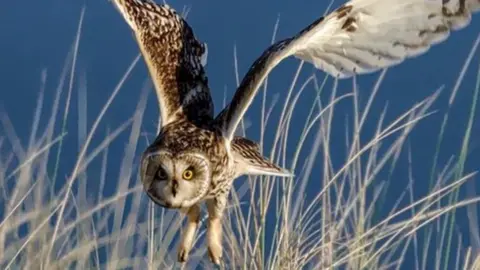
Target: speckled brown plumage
(173, 56)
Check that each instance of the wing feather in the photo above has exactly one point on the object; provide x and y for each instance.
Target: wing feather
(359, 37)
(174, 57)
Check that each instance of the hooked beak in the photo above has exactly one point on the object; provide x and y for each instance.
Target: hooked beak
(174, 187)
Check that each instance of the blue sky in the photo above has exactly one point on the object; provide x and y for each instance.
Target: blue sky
(37, 35)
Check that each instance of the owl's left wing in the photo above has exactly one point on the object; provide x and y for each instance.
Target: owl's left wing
(174, 57)
(249, 160)
(359, 37)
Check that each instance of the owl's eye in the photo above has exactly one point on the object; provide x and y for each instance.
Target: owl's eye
(161, 174)
(188, 174)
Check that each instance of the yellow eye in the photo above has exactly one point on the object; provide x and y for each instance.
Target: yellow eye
(188, 174)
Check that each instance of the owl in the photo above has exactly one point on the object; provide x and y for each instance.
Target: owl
(196, 156)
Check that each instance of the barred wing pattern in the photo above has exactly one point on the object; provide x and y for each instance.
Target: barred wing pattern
(248, 159)
(361, 36)
(174, 57)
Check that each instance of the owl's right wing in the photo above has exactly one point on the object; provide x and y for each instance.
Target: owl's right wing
(359, 37)
(174, 57)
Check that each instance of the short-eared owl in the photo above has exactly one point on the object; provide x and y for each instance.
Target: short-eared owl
(196, 156)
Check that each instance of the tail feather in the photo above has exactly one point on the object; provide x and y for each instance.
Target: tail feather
(248, 160)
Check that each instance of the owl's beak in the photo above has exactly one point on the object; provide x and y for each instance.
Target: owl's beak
(174, 187)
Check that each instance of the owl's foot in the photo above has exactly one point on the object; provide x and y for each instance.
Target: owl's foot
(182, 254)
(215, 253)
(214, 235)
(186, 244)
(188, 237)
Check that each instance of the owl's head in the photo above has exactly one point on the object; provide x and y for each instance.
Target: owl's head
(175, 180)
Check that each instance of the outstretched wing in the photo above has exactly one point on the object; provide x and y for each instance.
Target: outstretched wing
(174, 57)
(359, 37)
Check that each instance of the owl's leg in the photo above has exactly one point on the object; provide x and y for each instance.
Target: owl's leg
(193, 214)
(215, 206)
